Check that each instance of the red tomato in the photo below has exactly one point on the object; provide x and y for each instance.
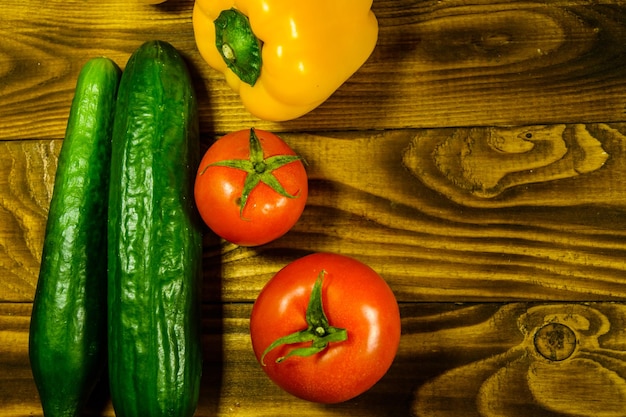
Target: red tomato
(251, 187)
(355, 298)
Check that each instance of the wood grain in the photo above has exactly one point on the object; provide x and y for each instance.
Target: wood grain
(27, 171)
(452, 63)
(454, 359)
(477, 161)
(548, 230)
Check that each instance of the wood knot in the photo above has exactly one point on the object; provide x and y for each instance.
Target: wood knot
(555, 341)
(507, 166)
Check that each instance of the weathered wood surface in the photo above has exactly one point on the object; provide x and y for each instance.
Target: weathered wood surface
(470, 359)
(477, 161)
(437, 63)
(440, 223)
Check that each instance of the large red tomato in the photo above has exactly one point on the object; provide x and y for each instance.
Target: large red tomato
(251, 187)
(325, 328)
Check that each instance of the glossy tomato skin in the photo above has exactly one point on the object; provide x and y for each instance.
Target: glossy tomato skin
(267, 214)
(354, 297)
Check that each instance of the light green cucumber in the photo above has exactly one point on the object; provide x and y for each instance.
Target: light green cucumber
(67, 345)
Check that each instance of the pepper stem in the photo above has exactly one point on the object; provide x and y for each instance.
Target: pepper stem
(318, 331)
(238, 45)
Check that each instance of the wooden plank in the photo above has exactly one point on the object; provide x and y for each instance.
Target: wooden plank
(481, 214)
(454, 359)
(437, 64)
(27, 171)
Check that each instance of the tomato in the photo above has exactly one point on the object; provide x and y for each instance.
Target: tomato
(359, 321)
(251, 187)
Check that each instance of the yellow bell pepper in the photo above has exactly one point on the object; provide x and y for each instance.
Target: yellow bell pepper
(285, 57)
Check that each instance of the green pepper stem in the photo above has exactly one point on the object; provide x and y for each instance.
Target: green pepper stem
(238, 45)
(319, 331)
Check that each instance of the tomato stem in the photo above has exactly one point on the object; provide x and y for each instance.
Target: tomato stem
(318, 331)
(258, 169)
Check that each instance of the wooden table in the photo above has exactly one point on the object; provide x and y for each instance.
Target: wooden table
(477, 161)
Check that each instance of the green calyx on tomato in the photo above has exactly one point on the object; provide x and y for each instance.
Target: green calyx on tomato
(318, 331)
(258, 169)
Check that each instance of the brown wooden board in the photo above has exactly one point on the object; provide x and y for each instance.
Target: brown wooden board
(436, 64)
(515, 359)
(431, 210)
(476, 161)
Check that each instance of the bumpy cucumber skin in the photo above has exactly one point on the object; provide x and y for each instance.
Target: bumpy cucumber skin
(67, 345)
(155, 245)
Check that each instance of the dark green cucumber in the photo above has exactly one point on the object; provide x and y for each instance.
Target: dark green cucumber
(68, 324)
(155, 245)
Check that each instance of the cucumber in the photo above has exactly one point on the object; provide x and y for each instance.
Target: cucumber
(155, 245)
(67, 345)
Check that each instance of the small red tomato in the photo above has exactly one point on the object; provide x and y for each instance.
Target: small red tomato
(325, 328)
(251, 187)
